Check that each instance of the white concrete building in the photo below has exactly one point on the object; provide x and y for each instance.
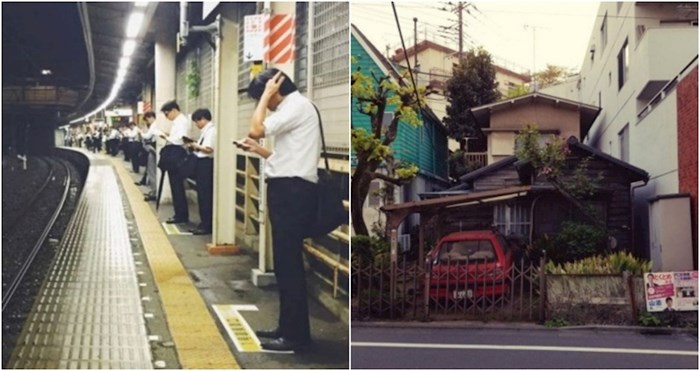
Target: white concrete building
(636, 55)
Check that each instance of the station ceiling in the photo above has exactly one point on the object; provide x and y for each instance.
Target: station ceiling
(81, 44)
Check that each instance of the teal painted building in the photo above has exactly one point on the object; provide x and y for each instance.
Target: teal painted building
(425, 145)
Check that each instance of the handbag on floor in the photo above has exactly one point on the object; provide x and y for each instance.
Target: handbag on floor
(330, 212)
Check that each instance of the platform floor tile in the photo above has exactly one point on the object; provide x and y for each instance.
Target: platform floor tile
(89, 314)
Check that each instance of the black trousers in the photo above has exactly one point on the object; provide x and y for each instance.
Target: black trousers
(177, 188)
(292, 204)
(135, 147)
(205, 191)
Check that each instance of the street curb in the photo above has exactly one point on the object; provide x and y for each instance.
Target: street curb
(519, 326)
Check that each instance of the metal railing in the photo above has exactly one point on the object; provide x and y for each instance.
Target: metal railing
(451, 289)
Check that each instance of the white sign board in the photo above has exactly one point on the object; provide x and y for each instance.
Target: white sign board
(253, 37)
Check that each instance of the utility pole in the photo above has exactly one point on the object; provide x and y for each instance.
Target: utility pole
(460, 7)
(415, 43)
(534, 53)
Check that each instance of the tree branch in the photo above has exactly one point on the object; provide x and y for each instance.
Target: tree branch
(393, 180)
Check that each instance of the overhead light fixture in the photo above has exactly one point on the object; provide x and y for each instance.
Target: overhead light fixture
(140, 4)
(133, 26)
(46, 72)
(124, 62)
(129, 48)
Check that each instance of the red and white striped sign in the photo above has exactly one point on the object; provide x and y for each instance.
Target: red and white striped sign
(279, 41)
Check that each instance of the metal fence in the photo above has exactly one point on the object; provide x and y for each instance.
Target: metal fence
(446, 290)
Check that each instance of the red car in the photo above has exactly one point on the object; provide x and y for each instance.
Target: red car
(470, 265)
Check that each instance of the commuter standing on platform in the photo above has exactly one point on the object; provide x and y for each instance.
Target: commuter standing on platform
(204, 150)
(292, 171)
(181, 128)
(134, 146)
(149, 145)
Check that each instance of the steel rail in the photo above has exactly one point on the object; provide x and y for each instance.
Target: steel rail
(7, 297)
(29, 204)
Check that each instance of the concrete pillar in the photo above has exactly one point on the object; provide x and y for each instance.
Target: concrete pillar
(165, 67)
(225, 116)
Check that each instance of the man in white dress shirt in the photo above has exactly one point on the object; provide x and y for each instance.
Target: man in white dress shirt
(292, 173)
(204, 150)
(181, 128)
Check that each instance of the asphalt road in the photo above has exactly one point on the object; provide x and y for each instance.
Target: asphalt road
(426, 348)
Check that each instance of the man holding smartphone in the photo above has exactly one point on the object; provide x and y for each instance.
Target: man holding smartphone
(291, 169)
(181, 128)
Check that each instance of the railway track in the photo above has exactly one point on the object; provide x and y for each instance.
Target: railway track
(34, 222)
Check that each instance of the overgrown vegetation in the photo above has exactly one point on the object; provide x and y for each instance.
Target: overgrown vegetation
(372, 96)
(370, 250)
(578, 237)
(614, 263)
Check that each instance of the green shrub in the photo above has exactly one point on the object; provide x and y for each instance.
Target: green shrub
(369, 249)
(614, 263)
(573, 242)
(647, 319)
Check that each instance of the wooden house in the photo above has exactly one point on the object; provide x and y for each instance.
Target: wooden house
(509, 195)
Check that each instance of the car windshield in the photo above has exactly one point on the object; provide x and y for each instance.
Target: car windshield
(467, 250)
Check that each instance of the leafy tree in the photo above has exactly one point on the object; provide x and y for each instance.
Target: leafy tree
(373, 95)
(552, 75)
(473, 83)
(517, 91)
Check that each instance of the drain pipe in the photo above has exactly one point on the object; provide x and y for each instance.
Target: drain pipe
(214, 28)
(634, 232)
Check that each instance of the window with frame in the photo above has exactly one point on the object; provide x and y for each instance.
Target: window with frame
(512, 219)
(330, 43)
(622, 65)
(301, 62)
(624, 139)
(604, 33)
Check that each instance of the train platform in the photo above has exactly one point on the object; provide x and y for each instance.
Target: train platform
(126, 292)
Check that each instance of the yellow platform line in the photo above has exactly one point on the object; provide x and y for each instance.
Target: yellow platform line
(199, 343)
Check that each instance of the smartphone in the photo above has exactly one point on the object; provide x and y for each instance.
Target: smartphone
(187, 139)
(238, 143)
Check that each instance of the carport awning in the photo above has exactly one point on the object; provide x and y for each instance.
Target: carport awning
(397, 212)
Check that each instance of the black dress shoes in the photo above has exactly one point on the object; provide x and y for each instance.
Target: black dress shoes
(271, 334)
(200, 231)
(282, 344)
(176, 221)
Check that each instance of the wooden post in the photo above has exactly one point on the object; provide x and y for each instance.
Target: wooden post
(543, 288)
(426, 292)
(628, 278)
(392, 274)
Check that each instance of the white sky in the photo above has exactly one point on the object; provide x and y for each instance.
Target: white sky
(562, 29)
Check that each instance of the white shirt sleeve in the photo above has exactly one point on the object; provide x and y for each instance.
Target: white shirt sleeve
(181, 127)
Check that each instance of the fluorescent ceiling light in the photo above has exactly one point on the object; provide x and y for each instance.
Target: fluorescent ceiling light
(128, 48)
(133, 26)
(140, 4)
(124, 62)
(46, 72)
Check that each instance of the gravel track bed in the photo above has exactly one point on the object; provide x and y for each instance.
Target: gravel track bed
(17, 244)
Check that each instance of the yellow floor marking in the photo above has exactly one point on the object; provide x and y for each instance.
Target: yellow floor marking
(237, 327)
(173, 229)
(199, 343)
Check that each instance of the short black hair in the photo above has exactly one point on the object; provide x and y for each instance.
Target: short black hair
(149, 114)
(257, 85)
(169, 106)
(201, 113)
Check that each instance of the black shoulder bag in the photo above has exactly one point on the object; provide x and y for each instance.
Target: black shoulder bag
(330, 212)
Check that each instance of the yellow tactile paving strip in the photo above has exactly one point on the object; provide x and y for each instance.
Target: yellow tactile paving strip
(198, 341)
